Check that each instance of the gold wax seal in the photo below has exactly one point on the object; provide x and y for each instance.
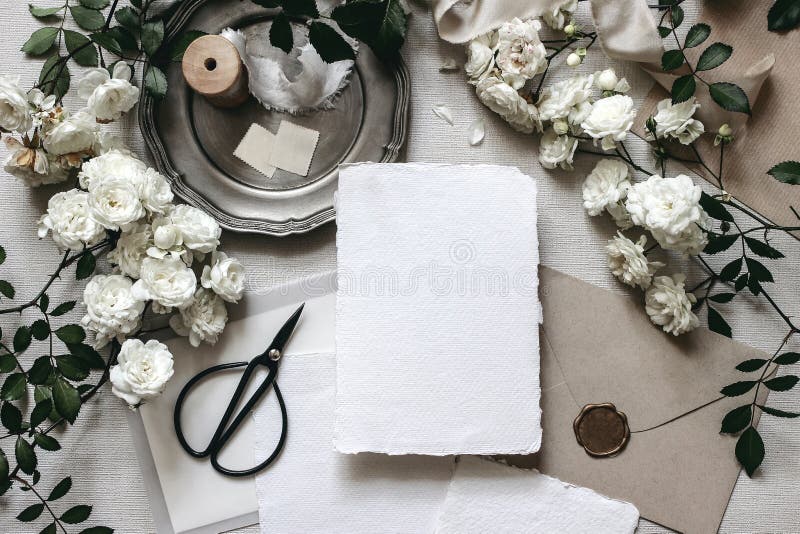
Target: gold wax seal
(601, 430)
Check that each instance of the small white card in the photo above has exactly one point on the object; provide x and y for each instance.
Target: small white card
(486, 496)
(256, 149)
(312, 489)
(294, 148)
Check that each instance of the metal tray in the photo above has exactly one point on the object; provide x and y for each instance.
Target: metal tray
(192, 142)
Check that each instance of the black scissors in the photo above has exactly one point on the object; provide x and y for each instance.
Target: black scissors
(270, 358)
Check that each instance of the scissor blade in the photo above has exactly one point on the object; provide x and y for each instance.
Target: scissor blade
(286, 330)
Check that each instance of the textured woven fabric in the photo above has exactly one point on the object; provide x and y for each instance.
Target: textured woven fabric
(98, 453)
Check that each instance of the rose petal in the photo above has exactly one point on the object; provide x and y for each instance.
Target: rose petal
(444, 113)
(476, 131)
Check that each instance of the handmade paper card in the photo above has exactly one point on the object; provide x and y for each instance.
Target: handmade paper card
(487, 496)
(437, 310)
(312, 489)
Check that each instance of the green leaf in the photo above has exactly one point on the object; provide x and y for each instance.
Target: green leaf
(7, 363)
(97, 530)
(54, 78)
(40, 412)
(88, 19)
(748, 366)
(714, 56)
(11, 418)
(329, 43)
(783, 15)
(731, 271)
(181, 43)
(677, 16)
(44, 12)
(788, 358)
(152, 36)
(72, 367)
(683, 89)
(40, 41)
(86, 266)
(7, 289)
(83, 51)
(40, 371)
(301, 8)
(108, 42)
(269, 4)
(49, 529)
(155, 82)
(87, 354)
(63, 308)
(67, 400)
(715, 208)
(22, 339)
(76, 514)
(741, 282)
(71, 333)
(61, 489)
(758, 270)
(763, 249)
(44, 303)
(717, 323)
(782, 383)
(730, 96)
(787, 172)
(31, 513)
(719, 243)
(663, 31)
(750, 450)
(124, 38)
(26, 457)
(3, 467)
(778, 413)
(40, 329)
(129, 18)
(697, 35)
(95, 4)
(14, 387)
(722, 298)
(46, 442)
(280, 33)
(380, 25)
(671, 60)
(2, 255)
(737, 419)
(739, 388)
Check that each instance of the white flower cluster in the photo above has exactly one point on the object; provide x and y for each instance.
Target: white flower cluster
(676, 121)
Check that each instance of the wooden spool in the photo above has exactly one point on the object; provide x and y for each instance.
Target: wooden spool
(213, 68)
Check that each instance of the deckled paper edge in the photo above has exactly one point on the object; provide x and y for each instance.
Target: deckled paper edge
(238, 153)
(277, 148)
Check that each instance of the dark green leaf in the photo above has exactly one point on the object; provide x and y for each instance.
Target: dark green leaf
(40, 412)
(741, 282)
(329, 43)
(22, 339)
(737, 419)
(714, 56)
(7, 363)
(783, 15)
(748, 366)
(697, 35)
(40, 371)
(40, 329)
(787, 172)
(763, 249)
(129, 18)
(36, 477)
(301, 8)
(71, 333)
(2, 255)
(3, 467)
(7, 289)
(758, 270)
(97, 530)
(11, 418)
(677, 16)
(83, 51)
(46, 442)
(14, 387)
(722, 298)
(49, 529)
(717, 323)
(72, 367)
(87, 354)
(663, 31)
(155, 82)
(31, 513)
(730, 96)
(86, 266)
(108, 42)
(182, 42)
(26, 457)
(731, 271)
(67, 400)
(63, 308)
(43, 12)
(788, 358)
(95, 4)
(778, 413)
(5, 485)
(40, 41)
(381, 25)
(152, 36)
(739, 388)
(269, 4)
(124, 37)
(719, 243)
(76, 514)
(715, 208)
(782, 383)
(280, 33)
(88, 19)
(44, 303)
(54, 77)
(683, 89)
(671, 60)
(750, 450)
(61, 489)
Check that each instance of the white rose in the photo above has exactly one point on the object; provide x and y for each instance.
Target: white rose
(669, 306)
(501, 98)
(606, 80)
(131, 249)
(44, 106)
(675, 121)
(557, 150)
(115, 203)
(670, 209)
(200, 232)
(154, 192)
(203, 320)
(111, 310)
(105, 142)
(559, 99)
(225, 276)
(15, 113)
(116, 163)
(33, 166)
(166, 281)
(610, 120)
(521, 55)
(142, 371)
(108, 97)
(606, 185)
(480, 56)
(620, 215)
(627, 261)
(557, 17)
(74, 134)
(70, 220)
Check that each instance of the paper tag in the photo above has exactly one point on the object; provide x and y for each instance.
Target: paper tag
(256, 149)
(294, 148)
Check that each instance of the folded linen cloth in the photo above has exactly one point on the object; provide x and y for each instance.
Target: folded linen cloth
(437, 310)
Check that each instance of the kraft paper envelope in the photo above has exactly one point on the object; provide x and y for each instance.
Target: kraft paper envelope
(600, 347)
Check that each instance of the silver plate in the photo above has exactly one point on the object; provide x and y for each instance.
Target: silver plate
(192, 142)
